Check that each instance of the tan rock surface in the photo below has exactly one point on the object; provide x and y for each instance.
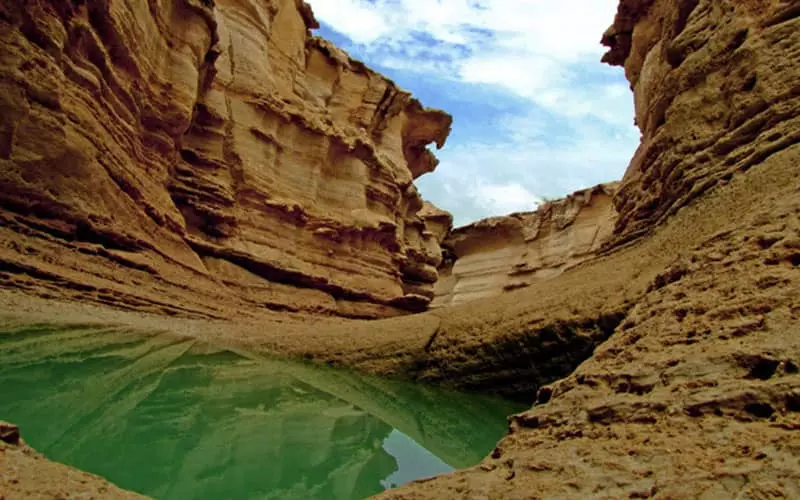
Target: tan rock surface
(207, 158)
(696, 394)
(716, 89)
(500, 254)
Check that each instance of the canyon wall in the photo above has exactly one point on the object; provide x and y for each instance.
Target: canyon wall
(696, 391)
(715, 94)
(209, 158)
(500, 254)
(716, 89)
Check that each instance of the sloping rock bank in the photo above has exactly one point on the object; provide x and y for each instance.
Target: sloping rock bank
(207, 158)
(696, 394)
(24, 473)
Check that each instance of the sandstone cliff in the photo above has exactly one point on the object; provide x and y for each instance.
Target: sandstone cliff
(716, 90)
(209, 158)
(696, 392)
(501, 254)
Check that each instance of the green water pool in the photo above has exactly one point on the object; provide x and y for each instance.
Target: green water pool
(174, 418)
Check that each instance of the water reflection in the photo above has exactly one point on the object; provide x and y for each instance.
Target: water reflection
(173, 418)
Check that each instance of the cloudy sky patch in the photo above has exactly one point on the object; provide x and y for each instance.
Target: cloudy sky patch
(535, 113)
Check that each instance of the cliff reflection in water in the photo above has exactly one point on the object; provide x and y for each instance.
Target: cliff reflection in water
(173, 418)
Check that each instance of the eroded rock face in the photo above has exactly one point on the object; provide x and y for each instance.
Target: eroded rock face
(213, 152)
(500, 254)
(716, 87)
(696, 393)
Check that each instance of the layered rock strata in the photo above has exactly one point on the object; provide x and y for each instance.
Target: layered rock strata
(696, 393)
(207, 158)
(716, 88)
(500, 254)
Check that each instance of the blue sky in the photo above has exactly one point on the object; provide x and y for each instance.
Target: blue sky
(535, 113)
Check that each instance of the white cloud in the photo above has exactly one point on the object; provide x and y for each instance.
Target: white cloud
(478, 180)
(505, 198)
(563, 29)
(525, 75)
(526, 46)
(357, 19)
